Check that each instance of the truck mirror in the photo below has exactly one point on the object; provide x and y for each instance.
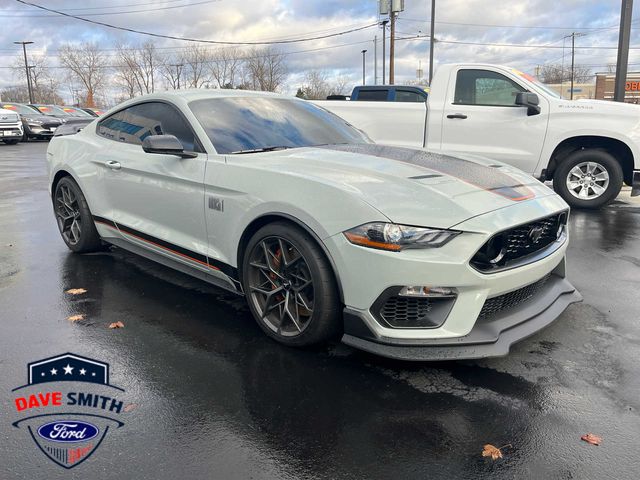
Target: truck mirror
(529, 100)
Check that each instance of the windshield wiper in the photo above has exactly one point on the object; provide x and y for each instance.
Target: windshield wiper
(262, 149)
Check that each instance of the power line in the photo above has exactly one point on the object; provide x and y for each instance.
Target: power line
(145, 10)
(542, 27)
(99, 8)
(195, 40)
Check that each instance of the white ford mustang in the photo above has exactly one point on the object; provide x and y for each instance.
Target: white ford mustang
(402, 252)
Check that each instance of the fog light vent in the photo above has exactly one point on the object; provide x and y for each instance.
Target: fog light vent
(407, 312)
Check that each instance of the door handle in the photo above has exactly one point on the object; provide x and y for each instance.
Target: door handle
(457, 115)
(113, 165)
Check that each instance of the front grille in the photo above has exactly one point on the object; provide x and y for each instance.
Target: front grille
(512, 299)
(406, 311)
(511, 245)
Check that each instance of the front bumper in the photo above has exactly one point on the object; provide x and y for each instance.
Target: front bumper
(10, 132)
(488, 338)
(635, 183)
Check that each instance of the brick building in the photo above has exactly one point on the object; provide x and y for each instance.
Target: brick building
(605, 87)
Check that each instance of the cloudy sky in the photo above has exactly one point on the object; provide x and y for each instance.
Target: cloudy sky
(466, 30)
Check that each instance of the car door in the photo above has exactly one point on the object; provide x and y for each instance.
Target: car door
(157, 199)
(480, 117)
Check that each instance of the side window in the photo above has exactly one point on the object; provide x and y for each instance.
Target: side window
(116, 128)
(482, 87)
(407, 96)
(373, 95)
(135, 123)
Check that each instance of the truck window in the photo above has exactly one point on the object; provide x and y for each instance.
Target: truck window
(408, 96)
(373, 95)
(483, 87)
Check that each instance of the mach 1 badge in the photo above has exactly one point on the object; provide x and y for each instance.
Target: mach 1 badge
(68, 406)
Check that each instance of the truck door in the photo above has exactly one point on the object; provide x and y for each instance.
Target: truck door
(480, 117)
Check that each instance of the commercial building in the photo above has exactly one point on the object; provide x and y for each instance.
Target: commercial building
(605, 87)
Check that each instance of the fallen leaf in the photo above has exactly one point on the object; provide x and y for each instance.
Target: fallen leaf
(117, 324)
(76, 291)
(592, 439)
(131, 406)
(76, 318)
(493, 452)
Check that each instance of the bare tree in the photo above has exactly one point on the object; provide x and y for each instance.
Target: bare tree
(316, 86)
(43, 84)
(266, 69)
(226, 66)
(555, 73)
(341, 85)
(172, 70)
(196, 61)
(138, 68)
(86, 64)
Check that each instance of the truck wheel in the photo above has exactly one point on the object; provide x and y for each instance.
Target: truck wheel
(13, 141)
(588, 179)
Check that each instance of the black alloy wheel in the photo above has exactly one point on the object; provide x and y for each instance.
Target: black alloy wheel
(290, 286)
(74, 217)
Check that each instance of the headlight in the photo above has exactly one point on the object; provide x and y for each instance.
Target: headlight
(389, 236)
(34, 122)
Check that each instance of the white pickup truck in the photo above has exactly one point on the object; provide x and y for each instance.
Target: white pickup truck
(587, 147)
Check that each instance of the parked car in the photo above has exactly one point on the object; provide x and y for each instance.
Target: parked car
(94, 112)
(52, 110)
(10, 127)
(402, 252)
(587, 147)
(390, 93)
(76, 112)
(34, 124)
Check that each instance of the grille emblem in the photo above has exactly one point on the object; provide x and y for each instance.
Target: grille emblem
(535, 233)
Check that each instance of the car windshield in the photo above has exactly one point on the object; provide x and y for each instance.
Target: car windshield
(76, 112)
(51, 110)
(21, 109)
(241, 124)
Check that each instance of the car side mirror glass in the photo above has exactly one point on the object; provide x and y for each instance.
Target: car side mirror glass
(165, 145)
(529, 100)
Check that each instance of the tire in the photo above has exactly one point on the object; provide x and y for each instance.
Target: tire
(74, 218)
(601, 172)
(303, 282)
(13, 141)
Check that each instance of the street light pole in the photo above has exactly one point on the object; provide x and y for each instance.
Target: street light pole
(26, 67)
(384, 51)
(363, 63)
(432, 40)
(392, 15)
(623, 50)
(375, 60)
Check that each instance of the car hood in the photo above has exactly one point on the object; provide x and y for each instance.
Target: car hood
(410, 186)
(42, 118)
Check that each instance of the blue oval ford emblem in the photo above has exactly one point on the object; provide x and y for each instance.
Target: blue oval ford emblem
(68, 431)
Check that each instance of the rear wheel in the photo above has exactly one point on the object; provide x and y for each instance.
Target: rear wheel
(74, 217)
(588, 179)
(290, 287)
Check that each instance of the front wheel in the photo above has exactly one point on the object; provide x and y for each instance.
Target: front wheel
(290, 286)
(13, 141)
(74, 217)
(588, 179)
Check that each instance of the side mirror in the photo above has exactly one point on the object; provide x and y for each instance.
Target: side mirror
(529, 100)
(166, 145)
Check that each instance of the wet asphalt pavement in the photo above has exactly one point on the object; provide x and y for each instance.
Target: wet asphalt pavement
(214, 398)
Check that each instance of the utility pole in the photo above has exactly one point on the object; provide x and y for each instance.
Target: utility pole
(375, 60)
(363, 63)
(573, 59)
(392, 16)
(623, 50)
(384, 51)
(432, 39)
(26, 67)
